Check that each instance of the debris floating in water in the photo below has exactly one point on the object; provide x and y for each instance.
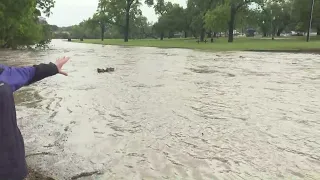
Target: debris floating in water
(105, 70)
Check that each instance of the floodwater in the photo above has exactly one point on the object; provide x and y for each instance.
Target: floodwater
(172, 114)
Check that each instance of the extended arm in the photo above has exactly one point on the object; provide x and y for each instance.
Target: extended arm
(18, 77)
(42, 71)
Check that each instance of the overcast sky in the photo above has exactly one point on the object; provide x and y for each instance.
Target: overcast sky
(71, 12)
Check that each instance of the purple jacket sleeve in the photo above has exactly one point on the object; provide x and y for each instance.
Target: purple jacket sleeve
(18, 77)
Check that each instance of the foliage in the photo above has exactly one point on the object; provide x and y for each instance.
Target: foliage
(124, 19)
(217, 19)
(20, 23)
(162, 7)
(45, 6)
(301, 14)
(204, 17)
(171, 21)
(100, 26)
(197, 11)
(120, 13)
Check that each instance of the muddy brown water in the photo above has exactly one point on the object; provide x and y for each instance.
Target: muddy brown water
(172, 114)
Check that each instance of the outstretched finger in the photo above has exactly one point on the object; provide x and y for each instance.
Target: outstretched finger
(66, 58)
(63, 73)
(63, 60)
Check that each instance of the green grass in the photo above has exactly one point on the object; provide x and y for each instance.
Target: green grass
(221, 44)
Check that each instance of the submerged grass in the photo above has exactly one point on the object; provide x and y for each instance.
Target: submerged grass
(34, 175)
(221, 44)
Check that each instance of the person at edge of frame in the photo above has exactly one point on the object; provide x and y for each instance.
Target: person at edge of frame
(12, 151)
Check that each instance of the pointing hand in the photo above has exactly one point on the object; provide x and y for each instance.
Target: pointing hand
(60, 62)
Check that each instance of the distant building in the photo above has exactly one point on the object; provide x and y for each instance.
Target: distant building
(178, 35)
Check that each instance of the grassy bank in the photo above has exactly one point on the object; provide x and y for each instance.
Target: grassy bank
(221, 44)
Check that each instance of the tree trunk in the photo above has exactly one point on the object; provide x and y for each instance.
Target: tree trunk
(102, 32)
(209, 34)
(170, 35)
(12, 45)
(161, 36)
(194, 34)
(126, 29)
(231, 23)
(264, 34)
(318, 31)
(202, 34)
(185, 34)
(279, 32)
(214, 34)
(273, 33)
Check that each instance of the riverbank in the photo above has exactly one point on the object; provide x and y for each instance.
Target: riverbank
(292, 44)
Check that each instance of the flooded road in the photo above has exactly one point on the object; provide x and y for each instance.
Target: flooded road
(172, 114)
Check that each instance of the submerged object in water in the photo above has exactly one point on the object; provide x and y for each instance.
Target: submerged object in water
(105, 70)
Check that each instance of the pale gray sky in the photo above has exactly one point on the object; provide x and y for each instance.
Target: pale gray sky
(71, 12)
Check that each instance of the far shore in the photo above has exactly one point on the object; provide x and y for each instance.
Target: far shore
(283, 44)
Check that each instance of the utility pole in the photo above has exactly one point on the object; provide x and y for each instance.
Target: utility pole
(310, 21)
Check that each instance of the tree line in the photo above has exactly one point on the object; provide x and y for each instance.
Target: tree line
(200, 19)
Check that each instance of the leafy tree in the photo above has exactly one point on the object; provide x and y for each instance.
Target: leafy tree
(301, 14)
(235, 7)
(140, 28)
(217, 16)
(217, 19)
(264, 21)
(275, 15)
(102, 25)
(45, 6)
(20, 23)
(161, 8)
(61, 35)
(171, 21)
(54, 28)
(100, 19)
(198, 10)
(120, 12)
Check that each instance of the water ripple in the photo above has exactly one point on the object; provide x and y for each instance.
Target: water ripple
(172, 114)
